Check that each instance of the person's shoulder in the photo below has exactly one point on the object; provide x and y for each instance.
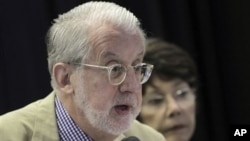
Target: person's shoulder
(20, 114)
(144, 132)
(17, 124)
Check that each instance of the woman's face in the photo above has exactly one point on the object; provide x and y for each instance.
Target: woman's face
(169, 107)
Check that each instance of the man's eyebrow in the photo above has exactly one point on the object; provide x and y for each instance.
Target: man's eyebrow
(107, 54)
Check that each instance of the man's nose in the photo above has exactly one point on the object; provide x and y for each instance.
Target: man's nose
(131, 82)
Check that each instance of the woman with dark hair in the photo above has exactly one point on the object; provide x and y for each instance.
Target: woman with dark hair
(169, 96)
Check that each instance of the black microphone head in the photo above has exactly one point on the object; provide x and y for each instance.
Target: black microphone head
(131, 138)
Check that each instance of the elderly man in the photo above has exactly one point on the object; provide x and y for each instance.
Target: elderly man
(95, 58)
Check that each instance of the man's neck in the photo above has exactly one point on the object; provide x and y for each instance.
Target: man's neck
(78, 116)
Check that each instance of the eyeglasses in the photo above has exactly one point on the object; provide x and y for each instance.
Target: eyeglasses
(117, 72)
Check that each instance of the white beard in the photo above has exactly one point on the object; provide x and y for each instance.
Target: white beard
(106, 121)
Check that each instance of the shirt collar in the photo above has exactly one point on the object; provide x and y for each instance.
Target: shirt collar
(68, 129)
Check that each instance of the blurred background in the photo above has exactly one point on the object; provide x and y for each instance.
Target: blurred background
(215, 32)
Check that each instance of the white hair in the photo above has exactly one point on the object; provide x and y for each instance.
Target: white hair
(68, 38)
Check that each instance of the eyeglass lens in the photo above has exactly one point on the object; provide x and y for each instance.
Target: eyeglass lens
(118, 72)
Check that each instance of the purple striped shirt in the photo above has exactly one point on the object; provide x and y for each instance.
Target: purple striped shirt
(68, 129)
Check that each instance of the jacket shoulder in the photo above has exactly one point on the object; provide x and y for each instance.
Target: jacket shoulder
(18, 124)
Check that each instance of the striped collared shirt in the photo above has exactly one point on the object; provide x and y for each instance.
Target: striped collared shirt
(68, 130)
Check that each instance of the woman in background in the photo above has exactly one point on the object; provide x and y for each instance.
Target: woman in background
(169, 97)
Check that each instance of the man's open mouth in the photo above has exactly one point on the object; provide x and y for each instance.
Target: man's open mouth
(122, 109)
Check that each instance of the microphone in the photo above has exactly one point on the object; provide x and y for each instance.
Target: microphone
(131, 138)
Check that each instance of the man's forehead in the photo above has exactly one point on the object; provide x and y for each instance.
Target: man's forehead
(108, 54)
(108, 34)
(116, 50)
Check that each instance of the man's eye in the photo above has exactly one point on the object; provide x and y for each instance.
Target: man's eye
(117, 69)
(138, 69)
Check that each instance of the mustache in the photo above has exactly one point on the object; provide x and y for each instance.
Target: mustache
(126, 99)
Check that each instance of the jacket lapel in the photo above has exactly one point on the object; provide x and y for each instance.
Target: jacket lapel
(45, 120)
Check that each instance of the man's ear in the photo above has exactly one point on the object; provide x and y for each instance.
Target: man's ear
(62, 73)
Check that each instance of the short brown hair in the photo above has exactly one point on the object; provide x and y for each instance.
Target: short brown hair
(170, 62)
